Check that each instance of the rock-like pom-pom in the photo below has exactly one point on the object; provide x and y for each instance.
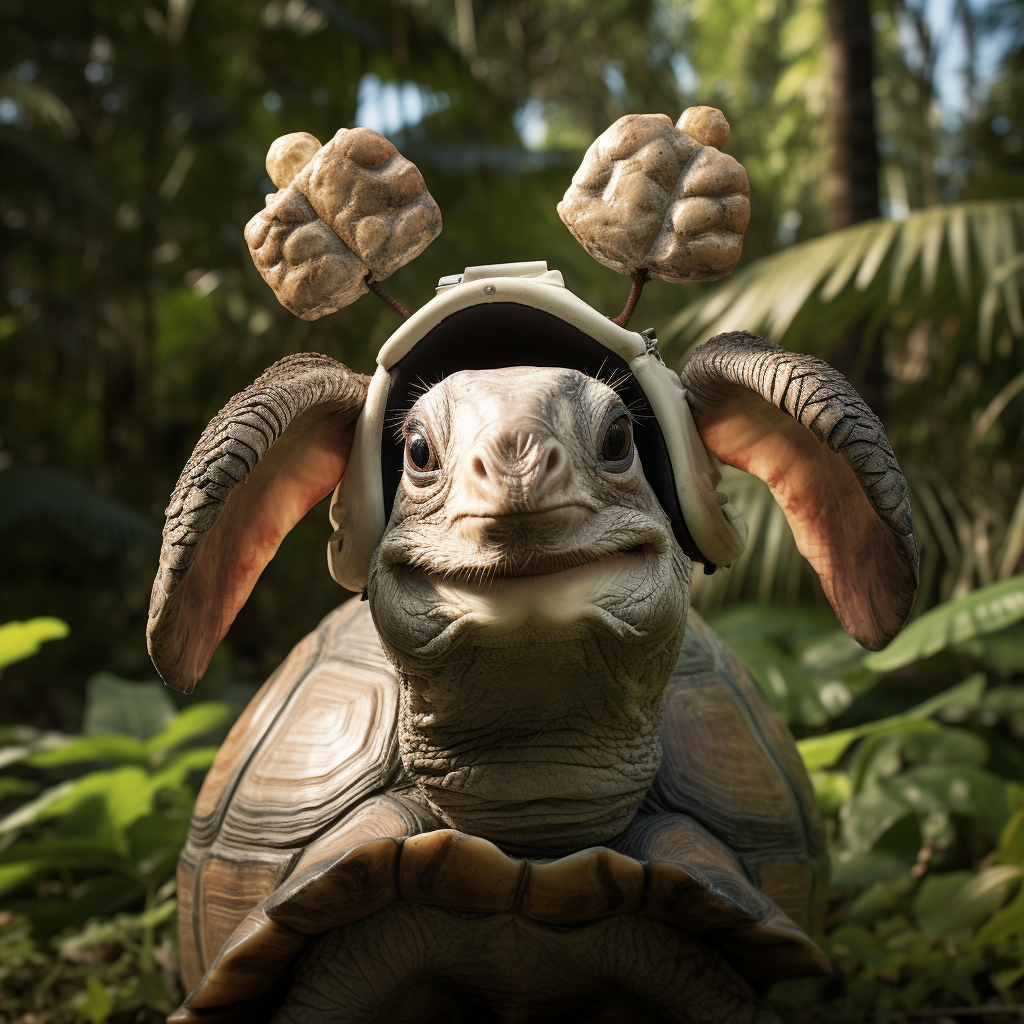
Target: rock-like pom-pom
(288, 155)
(352, 208)
(705, 124)
(659, 197)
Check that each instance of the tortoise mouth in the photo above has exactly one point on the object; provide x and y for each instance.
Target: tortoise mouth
(537, 570)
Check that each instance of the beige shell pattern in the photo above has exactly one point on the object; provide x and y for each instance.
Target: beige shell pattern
(663, 198)
(352, 210)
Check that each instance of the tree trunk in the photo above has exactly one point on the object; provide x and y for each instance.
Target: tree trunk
(852, 184)
(853, 167)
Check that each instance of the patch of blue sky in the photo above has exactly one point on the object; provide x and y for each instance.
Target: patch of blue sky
(391, 107)
(950, 43)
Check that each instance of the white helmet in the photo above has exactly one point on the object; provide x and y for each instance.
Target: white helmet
(521, 314)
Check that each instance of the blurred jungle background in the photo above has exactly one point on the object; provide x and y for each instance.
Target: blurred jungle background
(885, 148)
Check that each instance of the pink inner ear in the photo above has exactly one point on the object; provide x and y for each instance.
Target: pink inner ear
(305, 465)
(859, 560)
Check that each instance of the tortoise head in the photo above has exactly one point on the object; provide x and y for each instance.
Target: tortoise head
(523, 511)
(310, 425)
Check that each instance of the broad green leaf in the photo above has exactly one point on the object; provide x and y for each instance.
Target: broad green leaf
(782, 680)
(12, 786)
(196, 720)
(127, 792)
(946, 745)
(1005, 703)
(17, 734)
(20, 640)
(873, 812)
(961, 789)
(115, 705)
(155, 841)
(949, 903)
(36, 810)
(856, 941)
(1015, 796)
(174, 774)
(1005, 980)
(99, 896)
(880, 900)
(14, 876)
(756, 622)
(857, 869)
(822, 751)
(984, 611)
(831, 790)
(880, 755)
(83, 749)
(1003, 652)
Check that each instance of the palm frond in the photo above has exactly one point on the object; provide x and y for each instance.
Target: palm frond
(966, 255)
(40, 497)
(964, 543)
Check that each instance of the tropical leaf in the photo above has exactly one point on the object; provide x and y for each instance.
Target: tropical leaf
(985, 611)
(961, 899)
(37, 496)
(139, 710)
(20, 640)
(964, 542)
(810, 292)
(821, 751)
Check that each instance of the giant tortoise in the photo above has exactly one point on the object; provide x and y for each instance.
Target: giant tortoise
(516, 780)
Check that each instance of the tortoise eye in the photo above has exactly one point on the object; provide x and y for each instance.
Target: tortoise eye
(618, 441)
(419, 456)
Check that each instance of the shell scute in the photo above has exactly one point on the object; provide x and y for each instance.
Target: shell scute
(317, 740)
(730, 764)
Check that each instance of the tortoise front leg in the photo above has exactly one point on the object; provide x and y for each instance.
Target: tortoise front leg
(696, 882)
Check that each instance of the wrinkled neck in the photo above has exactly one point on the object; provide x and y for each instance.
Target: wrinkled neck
(543, 746)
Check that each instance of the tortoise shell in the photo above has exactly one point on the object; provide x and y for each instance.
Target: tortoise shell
(302, 826)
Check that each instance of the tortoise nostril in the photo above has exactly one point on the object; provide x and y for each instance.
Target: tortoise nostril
(552, 470)
(478, 468)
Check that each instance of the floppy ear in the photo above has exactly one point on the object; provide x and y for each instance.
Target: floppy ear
(264, 460)
(796, 423)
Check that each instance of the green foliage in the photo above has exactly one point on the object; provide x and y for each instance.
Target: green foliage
(88, 852)
(963, 257)
(20, 640)
(924, 807)
(132, 312)
(34, 496)
(986, 611)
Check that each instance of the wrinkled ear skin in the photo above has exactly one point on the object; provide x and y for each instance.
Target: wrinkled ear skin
(264, 460)
(796, 423)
